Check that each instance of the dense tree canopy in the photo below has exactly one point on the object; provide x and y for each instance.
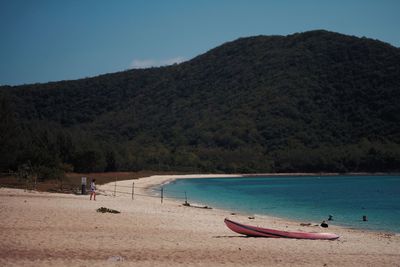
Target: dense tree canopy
(314, 101)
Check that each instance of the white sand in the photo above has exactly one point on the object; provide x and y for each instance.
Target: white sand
(44, 229)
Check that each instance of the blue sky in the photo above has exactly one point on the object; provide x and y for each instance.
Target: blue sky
(51, 40)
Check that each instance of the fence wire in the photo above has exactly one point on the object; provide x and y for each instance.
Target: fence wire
(161, 192)
(111, 189)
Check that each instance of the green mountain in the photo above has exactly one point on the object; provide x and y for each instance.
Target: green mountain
(310, 102)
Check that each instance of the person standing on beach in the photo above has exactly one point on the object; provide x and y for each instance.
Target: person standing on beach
(93, 189)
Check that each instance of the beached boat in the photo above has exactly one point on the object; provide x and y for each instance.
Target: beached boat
(264, 232)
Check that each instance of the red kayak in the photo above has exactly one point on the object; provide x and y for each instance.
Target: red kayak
(264, 232)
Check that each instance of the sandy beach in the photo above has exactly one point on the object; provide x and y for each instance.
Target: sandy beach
(47, 229)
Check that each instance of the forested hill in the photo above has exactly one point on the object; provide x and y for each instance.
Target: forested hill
(310, 102)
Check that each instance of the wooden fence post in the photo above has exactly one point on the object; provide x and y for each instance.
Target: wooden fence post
(133, 189)
(185, 198)
(115, 187)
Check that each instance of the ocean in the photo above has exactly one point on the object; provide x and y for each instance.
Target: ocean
(302, 198)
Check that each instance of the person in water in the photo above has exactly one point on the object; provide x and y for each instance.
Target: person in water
(93, 189)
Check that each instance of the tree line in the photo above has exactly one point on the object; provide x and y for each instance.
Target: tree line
(310, 102)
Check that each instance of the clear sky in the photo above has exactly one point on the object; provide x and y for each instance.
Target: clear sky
(51, 40)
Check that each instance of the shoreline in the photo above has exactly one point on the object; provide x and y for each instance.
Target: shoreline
(149, 182)
(165, 179)
(48, 229)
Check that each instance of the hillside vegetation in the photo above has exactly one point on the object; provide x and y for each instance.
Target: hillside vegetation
(309, 102)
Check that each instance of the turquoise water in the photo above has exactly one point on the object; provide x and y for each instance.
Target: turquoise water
(306, 199)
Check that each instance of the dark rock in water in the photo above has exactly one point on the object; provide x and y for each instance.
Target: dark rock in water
(251, 217)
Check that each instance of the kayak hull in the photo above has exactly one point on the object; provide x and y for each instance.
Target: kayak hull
(254, 231)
